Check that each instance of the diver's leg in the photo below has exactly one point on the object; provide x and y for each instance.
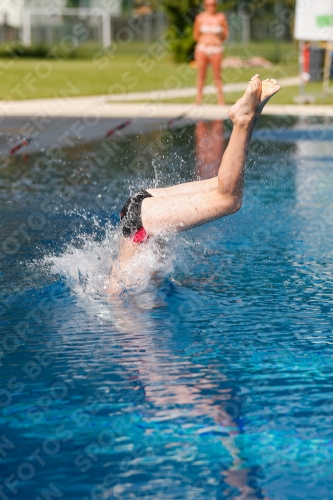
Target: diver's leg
(269, 88)
(182, 211)
(185, 187)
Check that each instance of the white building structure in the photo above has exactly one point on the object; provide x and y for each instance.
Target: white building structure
(314, 20)
(113, 7)
(12, 11)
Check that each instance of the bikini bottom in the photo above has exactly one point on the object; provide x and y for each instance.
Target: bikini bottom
(210, 50)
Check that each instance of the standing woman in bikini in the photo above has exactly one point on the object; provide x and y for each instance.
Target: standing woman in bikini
(210, 30)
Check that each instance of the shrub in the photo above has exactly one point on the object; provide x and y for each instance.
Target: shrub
(181, 16)
(18, 50)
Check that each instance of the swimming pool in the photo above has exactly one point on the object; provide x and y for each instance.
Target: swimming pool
(213, 382)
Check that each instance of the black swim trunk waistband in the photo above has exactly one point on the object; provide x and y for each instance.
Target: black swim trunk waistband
(131, 213)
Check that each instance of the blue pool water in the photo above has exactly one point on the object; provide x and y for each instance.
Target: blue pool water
(215, 381)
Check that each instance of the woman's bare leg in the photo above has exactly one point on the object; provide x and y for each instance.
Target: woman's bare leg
(202, 62)
(216, 60)
(182, 211)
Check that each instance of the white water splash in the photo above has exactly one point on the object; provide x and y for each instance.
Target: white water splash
(87, 267)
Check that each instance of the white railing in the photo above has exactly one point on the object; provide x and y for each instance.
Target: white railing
(79, 12)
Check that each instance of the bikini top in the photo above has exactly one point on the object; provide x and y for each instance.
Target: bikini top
(211, 29)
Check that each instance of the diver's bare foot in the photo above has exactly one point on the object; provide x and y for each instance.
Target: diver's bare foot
(244, 110)
(268, 89)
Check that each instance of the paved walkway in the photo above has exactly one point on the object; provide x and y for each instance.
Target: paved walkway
(70, 121)
(42, 112)
(191, 91)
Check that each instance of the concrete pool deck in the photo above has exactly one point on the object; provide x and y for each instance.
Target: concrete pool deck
(64, 122)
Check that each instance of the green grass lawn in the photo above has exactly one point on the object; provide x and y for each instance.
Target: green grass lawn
(132, 68)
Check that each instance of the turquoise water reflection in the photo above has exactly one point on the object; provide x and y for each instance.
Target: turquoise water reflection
(215, 382)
